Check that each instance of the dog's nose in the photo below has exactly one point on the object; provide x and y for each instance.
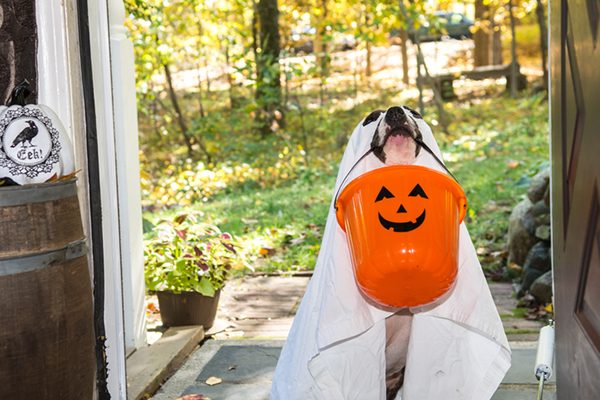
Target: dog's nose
(395, 116)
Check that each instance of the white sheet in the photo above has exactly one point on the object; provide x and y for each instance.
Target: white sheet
(336, 346)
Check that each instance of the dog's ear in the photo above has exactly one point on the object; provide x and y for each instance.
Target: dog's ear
(372, 117)
(413, 113)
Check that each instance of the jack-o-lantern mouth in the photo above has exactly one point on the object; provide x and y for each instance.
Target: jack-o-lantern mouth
(402, 226)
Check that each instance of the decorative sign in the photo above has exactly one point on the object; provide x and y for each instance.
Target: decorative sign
(34, 145)
(30, 143)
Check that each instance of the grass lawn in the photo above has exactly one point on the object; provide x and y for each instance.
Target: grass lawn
(278, 211)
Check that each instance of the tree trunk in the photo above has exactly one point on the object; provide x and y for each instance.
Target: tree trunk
(513, 48)
(200, 94)
(254, 36)
(18, 44)
(404, 50)
(229, 77)
(541, 17)
(268, 84)
(497, 58)
(481, 37)
(437, 98)
(181, 119)
(202, 54)
(368, 69)
(320, 49)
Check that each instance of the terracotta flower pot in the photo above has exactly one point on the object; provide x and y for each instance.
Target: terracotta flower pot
(187, 308)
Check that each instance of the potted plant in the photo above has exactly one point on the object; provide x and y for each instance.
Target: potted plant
(187, 263)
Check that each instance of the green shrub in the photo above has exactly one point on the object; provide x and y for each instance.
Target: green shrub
(186, 255)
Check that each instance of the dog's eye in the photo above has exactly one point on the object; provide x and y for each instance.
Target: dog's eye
(414, 113)
(418, 191)
(372, 117)
(384, 193)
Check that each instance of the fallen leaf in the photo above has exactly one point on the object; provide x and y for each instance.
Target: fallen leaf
(514, 267)
(266, 251)
(232, 367)
(213, 380)
(193, 397)
(53, 178)
(297, 241)
(481, 251)
(69, 176)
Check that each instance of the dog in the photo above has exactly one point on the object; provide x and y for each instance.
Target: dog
(343, 346)
(396, 141)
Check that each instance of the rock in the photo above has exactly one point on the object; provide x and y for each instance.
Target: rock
(543, 232)
(547, 196)
(541, 220)
(539, 208)
(539, 257)
(538, 215)
(521, 230)
(528, 221)
(538, 186)
(538, 261)
(541, 289)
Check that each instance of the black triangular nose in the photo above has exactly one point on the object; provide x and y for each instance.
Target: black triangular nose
(401, 209)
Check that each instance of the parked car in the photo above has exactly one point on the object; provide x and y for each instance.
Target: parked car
(301, 41)
(444, 24)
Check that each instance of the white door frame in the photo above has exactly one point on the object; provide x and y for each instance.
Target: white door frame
(60, 87)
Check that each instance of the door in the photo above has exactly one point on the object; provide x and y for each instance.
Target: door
(575, 122)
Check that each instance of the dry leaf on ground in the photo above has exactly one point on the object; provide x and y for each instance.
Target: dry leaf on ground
(213, 380)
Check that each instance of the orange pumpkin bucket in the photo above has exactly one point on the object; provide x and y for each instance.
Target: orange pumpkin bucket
(402, 226)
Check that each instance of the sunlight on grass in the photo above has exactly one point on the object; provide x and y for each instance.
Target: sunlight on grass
(278, 210)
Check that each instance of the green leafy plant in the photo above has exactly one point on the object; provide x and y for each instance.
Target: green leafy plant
(186, 255)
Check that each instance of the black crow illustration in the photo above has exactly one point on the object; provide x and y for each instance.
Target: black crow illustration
(26, 135)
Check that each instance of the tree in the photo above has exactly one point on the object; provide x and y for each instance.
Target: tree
(268, 84)
(541, 18)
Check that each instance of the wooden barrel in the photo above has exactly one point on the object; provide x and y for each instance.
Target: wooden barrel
(46, 305)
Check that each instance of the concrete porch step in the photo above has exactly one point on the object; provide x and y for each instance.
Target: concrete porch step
(246, 369)
(149, 367)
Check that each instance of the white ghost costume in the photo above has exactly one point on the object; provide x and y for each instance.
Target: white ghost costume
(336, 346)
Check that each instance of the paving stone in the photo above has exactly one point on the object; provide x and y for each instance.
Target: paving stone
(264, 307)
(148, 366)
(521, 370)
(241, 364)
(246, 366)
(249, 391)
(520, 394)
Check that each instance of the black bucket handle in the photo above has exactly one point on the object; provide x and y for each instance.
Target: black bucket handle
(419, 142)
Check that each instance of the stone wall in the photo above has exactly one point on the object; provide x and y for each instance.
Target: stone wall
(529, 240)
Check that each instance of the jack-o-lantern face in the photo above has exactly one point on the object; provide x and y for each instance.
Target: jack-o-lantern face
(400, 226)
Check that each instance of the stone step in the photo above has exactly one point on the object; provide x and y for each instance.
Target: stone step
(148, 367)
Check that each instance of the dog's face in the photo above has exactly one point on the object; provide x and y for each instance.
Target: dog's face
(394, 138)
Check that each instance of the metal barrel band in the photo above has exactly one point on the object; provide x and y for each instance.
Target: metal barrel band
(32, 262)
(11, 196)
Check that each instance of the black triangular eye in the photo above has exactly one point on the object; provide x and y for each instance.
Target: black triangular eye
(384, 194)
(418, 191)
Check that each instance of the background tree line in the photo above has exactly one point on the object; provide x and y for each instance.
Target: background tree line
(203, 64)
